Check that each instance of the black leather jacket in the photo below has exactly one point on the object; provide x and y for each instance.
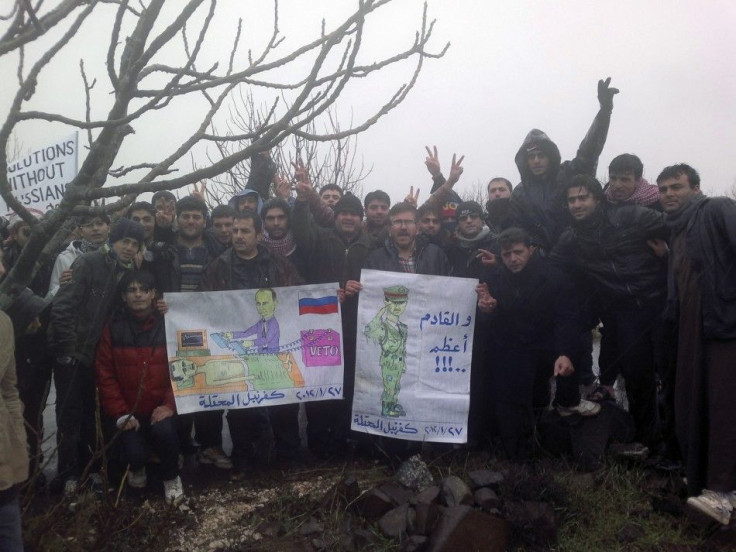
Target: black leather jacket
(610, 249)
(711, 248)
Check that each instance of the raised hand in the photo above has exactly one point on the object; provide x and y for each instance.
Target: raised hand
(281, 186)
(412, 198)
(433, 162)
(201, 191)
(455, 170)
(606, 93)
(303, 184)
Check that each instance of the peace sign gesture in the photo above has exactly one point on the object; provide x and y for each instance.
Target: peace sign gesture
(412, 198)
(455, 170)
(201, 191)
(432, 161)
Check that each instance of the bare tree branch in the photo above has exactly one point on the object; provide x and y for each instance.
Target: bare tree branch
(144, 81)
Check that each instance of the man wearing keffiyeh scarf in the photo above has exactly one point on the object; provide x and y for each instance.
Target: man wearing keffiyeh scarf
(702, 291)
(626, 185)
(277, 234)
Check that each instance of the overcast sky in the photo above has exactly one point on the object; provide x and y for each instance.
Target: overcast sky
(512, 66)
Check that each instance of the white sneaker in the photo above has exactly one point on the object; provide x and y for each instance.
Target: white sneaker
(585, 408)
(713, 504)
(173, 491)
(217, 457)
(137, 479)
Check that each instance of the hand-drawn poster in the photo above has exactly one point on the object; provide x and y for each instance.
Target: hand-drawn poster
(257, 347)
(415, 342)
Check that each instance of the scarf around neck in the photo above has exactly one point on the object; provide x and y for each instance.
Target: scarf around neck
(285, 246)
(645, 194)
(471, 242)
(678, 220)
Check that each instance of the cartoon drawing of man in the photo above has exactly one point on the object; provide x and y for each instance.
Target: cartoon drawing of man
(390, 334)
(266, 330)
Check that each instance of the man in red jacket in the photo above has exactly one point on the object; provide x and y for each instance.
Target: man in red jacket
(132, 373)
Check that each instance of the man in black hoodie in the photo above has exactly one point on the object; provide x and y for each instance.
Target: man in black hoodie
(537, 203)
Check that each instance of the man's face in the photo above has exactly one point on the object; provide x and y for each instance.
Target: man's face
(396, 307)
(139, 298)
(94, 231)
(538, 162)
(146, 220)
(498, 189)
(265, 304)
(403, 230)
(223, 227)
(347, 223)
(164, 205)
(621, 186)
(430, 224)
(191, 224)
(126, 249)
(22, 234)
(245, 238)
(516, 257)
(276, 223)
(581, 203)
(674, 192)
(331, 197)
(469, 226)
(377, 212)
(248, 202)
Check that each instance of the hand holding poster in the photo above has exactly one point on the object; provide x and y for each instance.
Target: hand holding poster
(412, 374)
(257, 347)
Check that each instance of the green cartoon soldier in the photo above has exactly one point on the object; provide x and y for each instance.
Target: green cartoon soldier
(390, 334)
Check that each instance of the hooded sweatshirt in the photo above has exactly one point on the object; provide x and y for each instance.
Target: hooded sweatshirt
(538, 202)
(242, 193)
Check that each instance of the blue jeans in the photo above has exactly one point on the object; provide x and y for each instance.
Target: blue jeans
(11, 537)
(161, 437)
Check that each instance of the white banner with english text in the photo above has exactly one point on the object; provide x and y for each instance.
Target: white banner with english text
(255, 347)
(415, 343)
(38, 181)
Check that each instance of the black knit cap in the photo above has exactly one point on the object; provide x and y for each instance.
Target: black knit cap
(126, 228)
(468, 208)
(349, 203)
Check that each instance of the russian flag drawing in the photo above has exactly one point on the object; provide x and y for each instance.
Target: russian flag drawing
(318, 305)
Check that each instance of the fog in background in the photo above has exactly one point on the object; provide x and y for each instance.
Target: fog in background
(511, 66)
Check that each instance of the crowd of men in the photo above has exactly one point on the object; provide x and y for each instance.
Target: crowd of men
(653, 267)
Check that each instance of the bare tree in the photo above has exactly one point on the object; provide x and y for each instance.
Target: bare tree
(328, 162)
(478, 192)
(142, 83)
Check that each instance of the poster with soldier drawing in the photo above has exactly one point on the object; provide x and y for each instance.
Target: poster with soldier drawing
(258, 347)
(412, 374)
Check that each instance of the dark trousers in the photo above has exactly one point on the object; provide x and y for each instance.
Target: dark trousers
(161, 437)
(328, 422)
(627, 348)
(520, 392)
(34, 380)
(207, 428)
(256, 431)
(75, 417)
